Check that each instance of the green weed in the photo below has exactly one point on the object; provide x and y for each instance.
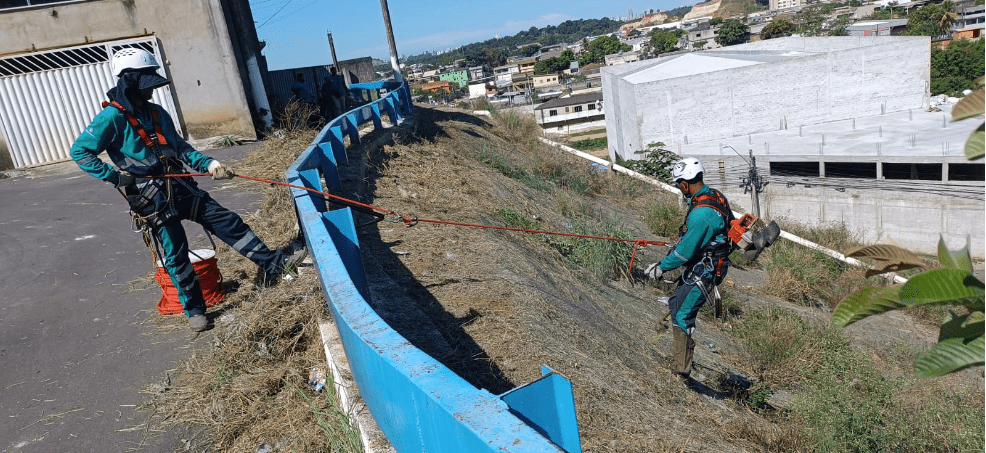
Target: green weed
(226, 141)
(224, 375)
(845, 403)
(494, 161)
(510, 121)
(481, 103)
(514, 219)
(607, 259)
(589, 132)
(777, 339)
(805, 276)
(664, 219)
(335, 424)
(590, 144)
(656, 162)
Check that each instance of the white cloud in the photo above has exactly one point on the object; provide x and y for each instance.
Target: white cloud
(514, 26)
(444, 40)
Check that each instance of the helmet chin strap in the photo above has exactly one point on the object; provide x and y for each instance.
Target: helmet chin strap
(686, 190)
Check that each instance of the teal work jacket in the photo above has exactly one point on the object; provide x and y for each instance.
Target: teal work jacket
(111, 132)
(704, 224)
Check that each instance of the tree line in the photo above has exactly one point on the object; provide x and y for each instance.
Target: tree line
(494, 52)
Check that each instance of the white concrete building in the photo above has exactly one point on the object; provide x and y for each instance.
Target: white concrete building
(481, 89)
(840, 126)
(621, 58)
(562, 112)
(775, 5)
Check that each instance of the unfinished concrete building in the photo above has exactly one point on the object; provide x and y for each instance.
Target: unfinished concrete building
(842, 128)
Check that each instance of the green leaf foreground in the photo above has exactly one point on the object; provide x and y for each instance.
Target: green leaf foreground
(959, 259)
(965, 327)
(866, 302)
(970, 105)
(949, 356)
(943, 287)
(975, 145)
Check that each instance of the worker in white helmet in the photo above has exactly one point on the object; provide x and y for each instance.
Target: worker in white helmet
(139, 137)
(703, 252)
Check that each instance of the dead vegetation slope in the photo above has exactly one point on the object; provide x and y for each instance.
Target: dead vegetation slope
(496, 305)
(504, 303)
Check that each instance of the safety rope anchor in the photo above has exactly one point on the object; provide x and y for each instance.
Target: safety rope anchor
(408, 221)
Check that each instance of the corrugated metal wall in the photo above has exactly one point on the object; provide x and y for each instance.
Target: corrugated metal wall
(356, 70)
(48, 98)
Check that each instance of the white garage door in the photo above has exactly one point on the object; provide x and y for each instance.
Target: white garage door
(48, 98)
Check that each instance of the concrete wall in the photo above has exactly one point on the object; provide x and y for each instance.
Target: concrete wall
(911, 220)
(199, 56)
(356, 70)
(908, 220)
(838, 82)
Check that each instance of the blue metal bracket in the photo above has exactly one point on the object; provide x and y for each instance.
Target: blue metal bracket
(548, 406)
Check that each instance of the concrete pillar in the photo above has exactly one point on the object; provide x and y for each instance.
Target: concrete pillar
(879, 171)
(821, 168)
(944, 171)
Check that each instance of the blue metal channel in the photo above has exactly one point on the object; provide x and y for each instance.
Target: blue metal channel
(419, 404)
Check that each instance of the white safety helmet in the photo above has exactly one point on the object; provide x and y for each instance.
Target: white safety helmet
(132, 58)
(687, 169)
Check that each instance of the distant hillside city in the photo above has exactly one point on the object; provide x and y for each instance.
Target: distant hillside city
(540, 64)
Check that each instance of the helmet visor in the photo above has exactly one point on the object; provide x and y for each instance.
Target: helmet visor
(149, 79)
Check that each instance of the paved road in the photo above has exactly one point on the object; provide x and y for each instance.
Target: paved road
(76, 343)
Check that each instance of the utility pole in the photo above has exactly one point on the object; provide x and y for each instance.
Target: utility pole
(755, 184)
(394, 62)
(332, 48)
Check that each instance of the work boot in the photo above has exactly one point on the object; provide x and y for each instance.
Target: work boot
(198, 323)
(684, 349)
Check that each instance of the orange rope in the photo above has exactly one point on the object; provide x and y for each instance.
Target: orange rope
(411, 221)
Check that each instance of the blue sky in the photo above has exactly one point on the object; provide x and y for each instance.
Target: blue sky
(295, 30)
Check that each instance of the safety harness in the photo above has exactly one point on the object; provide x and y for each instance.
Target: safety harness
(714, 253)
(152, 142)
(155, 141)
(708, 271)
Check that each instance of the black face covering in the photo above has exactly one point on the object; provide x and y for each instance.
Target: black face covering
(131, 82)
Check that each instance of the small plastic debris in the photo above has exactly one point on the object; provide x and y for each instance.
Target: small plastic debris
(710, 345)
(316, 379)
(264, 448)
(663, 300)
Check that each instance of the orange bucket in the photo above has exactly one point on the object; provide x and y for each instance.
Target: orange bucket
(210, 280)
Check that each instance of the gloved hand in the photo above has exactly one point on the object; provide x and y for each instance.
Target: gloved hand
(124, 179)
(654, 271)
(220, 171)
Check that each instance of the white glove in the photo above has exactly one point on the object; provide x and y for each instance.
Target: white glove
(654, 271)
(220, 171)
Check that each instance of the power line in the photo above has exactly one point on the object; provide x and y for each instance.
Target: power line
(293, 12)
(285, 5)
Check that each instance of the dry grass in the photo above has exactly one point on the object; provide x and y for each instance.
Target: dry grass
(493, 306)
(251, 387)
(504, 303)
(807, 277)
